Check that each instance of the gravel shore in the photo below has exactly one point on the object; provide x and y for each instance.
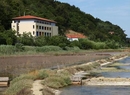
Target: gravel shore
(108, 81)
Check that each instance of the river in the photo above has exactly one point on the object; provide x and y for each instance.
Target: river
(103, 90)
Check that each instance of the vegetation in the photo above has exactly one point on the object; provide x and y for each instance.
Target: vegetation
(56, 43)
(18, 86)
(67, 17)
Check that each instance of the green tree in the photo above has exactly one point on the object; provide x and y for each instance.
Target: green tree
(26, 39)
(40, 41)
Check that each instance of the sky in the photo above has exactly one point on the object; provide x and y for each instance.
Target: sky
(115, 11)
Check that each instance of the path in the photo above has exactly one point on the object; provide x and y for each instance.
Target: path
(37, 86)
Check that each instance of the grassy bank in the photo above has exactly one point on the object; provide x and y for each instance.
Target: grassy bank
(30, 50)
(19, 49)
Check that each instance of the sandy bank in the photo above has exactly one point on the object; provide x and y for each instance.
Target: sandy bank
(113, 59)
(108, 81)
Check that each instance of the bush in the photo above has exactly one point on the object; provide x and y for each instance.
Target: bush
(18, 86)
(100, 45)
(42, 74)
(7, 49)
(75, 43)
(86, 44)
(57, 81)
(19, 47)
(112, 44)
(22, 77)
(54, 82)
(74, 49)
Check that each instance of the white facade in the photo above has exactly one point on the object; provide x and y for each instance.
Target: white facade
(73, 39)
(34, 25)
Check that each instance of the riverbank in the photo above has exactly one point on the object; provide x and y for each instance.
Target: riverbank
(57, 78)
(102, 81)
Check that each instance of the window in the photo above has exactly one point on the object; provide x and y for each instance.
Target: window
(37, 26)
(47, 28)
(33, 27)
(37, 33)
(33, 33)
(45, 33)
(42, 33)
(42, 27)
(50, 28)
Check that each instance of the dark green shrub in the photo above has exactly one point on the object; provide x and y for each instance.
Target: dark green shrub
(86, 44)
(19, 47)
(112, 44)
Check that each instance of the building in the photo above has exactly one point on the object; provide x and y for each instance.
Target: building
(37, 26)
(74, 36)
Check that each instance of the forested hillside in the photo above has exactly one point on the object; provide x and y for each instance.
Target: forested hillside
(67, 17)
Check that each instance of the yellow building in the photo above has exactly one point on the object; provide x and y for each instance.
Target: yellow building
(37, 26)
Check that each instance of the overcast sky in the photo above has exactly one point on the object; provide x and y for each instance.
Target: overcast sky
(115, 11)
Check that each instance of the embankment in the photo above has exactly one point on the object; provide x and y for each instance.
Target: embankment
(108, 81)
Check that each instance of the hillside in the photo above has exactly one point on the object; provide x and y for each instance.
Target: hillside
(67, 17)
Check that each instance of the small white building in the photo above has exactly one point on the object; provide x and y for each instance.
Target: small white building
(37, 26)
(75, 37)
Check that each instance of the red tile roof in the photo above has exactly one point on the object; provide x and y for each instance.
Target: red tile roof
(32, 17)
(75, 36)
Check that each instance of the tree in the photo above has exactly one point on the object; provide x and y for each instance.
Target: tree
(8, 37)
(26, 39)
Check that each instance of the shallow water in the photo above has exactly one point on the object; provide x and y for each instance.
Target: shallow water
(116, 74)
(103, 90)
(96, 90)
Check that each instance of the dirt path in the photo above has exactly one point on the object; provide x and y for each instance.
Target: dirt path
(37, 86)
